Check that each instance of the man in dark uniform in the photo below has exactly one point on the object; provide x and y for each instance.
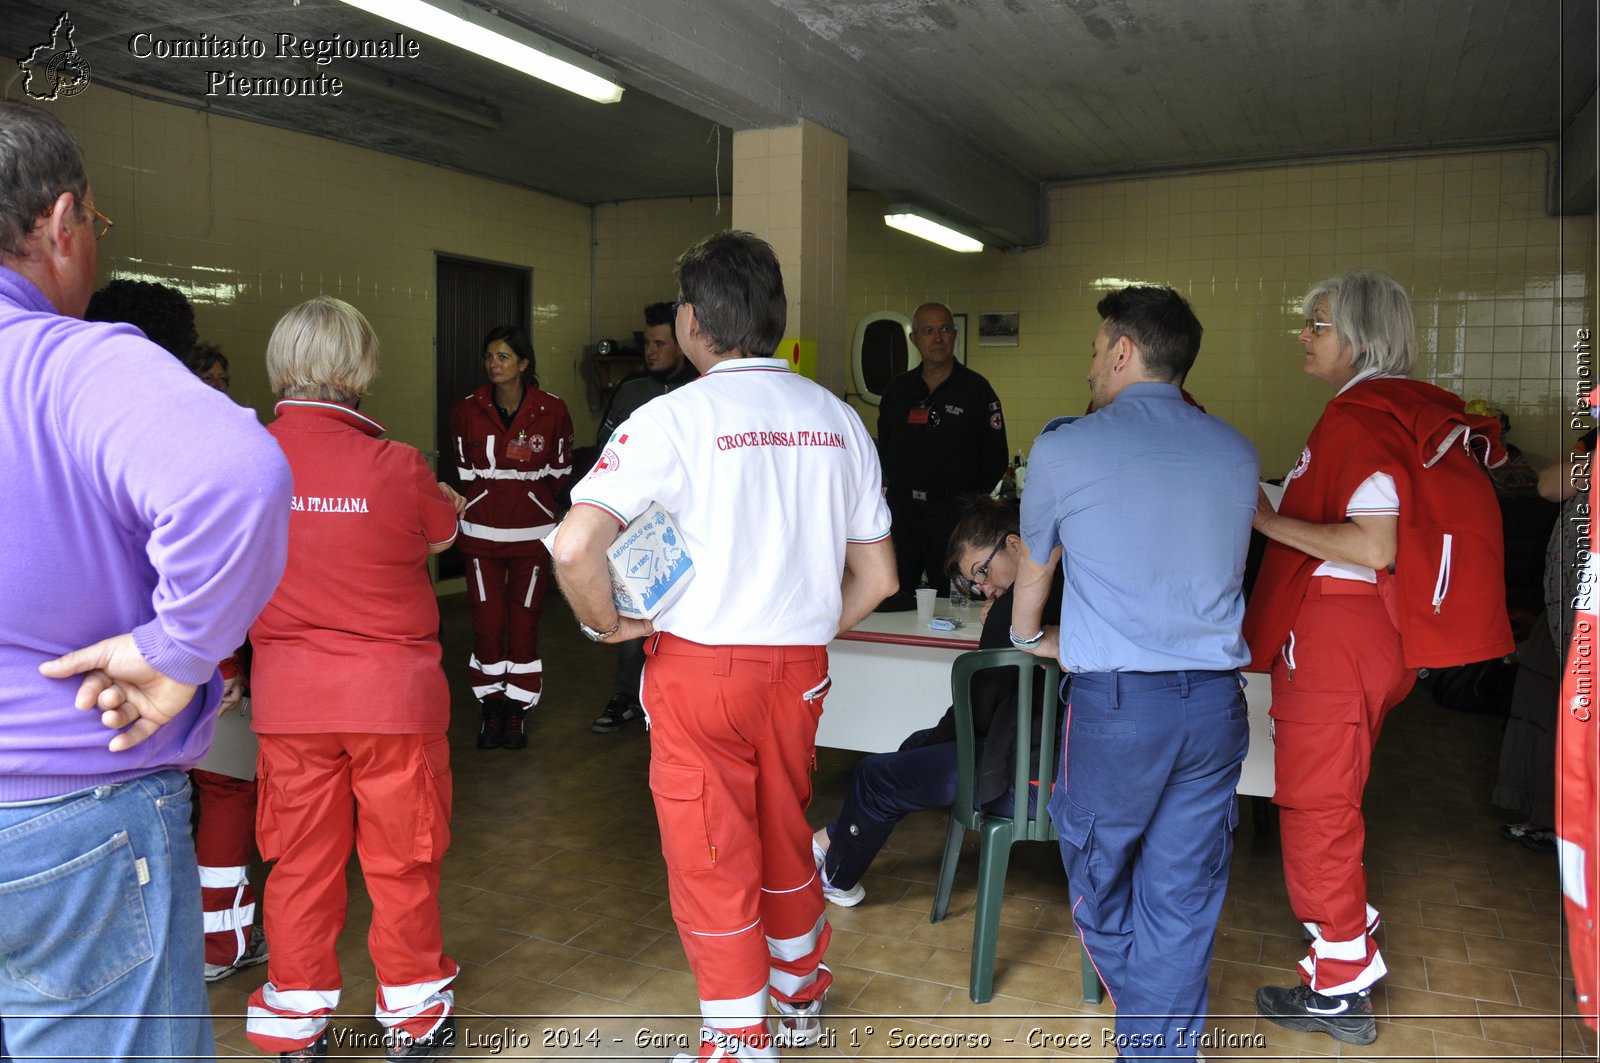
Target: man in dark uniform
(665, 368)
(941, 436)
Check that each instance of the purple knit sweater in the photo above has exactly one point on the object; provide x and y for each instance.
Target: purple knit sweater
(132, 498)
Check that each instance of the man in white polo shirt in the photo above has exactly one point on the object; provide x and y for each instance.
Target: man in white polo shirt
(775, 485)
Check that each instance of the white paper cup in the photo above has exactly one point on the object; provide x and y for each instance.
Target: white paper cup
(926, 596)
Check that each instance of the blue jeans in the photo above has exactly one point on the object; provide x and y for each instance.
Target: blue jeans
(101, 936)
(1144, 804)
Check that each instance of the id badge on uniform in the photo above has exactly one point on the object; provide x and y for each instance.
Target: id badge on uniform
(518, 449)
(917, 416)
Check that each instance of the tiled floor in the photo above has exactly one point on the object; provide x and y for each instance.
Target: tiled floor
(555, 906)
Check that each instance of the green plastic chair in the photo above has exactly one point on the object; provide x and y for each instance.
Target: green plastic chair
(997, 834)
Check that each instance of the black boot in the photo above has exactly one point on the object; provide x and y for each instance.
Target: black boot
(494, 721)
(513, 736)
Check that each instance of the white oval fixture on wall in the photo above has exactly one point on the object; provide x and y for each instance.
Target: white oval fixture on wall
(882, 350)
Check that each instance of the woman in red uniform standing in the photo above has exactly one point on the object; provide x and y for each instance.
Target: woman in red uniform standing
(351, 704)
(1385, 556)
(514, 454)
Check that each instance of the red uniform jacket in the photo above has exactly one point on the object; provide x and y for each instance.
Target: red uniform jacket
(350, 639)
(1450, 560)
(1578, 788)
(511, 477)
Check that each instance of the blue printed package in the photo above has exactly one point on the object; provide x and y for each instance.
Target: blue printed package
(649, 566)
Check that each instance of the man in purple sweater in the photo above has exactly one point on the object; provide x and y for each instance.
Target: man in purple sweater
(143, 526)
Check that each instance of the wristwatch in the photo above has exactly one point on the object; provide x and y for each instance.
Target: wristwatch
(598, 636)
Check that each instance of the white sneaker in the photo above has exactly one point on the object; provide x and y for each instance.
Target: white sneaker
(843, 898)
(800, 1025)
(254, 954)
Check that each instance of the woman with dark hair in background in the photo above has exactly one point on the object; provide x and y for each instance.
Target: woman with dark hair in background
(211, 365)
(514, 455)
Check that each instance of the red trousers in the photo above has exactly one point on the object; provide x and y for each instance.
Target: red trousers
(1337, 678)
(507, 598)
(732, 747)
(224, 840)
(388, 796)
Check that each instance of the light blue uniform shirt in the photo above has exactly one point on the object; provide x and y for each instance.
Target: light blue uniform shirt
(1151, 500)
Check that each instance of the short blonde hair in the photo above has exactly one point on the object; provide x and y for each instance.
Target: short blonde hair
(322, 349)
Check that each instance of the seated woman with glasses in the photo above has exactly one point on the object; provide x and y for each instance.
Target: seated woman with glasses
(922, 773)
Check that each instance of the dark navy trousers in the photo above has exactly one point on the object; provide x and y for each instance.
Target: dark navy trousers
(1144, 805)
(884, 789)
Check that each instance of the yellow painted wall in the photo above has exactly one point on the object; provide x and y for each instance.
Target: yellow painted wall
(1499, 287)
(249, 220)
(636, 244)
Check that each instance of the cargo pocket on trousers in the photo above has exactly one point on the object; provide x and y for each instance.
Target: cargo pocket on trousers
(269, 840)
(1077, 830)
(681, 811)
(435, 785)
(1316, 748)
(1230, 822)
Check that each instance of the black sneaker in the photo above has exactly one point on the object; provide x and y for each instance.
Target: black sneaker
(439, 1043)
(493, 724)
(621, 710)
(512, 734)
(1346, 1018)
(317, 1049)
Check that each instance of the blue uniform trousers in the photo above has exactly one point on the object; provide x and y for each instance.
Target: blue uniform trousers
(1144, 804)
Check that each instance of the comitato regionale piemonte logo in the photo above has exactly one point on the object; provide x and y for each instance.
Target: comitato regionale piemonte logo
(55, 69)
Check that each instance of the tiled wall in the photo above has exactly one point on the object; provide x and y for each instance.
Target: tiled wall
(249, 220)
(790, 188)
(635, 245)
(1499, 287)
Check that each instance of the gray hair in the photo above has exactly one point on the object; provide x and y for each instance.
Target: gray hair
(39, 160)
(733, 281)
(1372, 313)
(322, 349)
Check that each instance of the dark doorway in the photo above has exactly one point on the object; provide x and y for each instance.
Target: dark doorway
(474, 297)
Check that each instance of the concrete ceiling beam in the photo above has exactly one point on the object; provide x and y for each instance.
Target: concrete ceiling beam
(753, 65)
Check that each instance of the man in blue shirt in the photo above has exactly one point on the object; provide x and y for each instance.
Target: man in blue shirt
(1149, 502)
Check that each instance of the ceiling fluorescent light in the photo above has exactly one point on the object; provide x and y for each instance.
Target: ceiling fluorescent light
(494, 38)
(918, 222)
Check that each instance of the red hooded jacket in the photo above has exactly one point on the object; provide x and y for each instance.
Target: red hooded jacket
(1578, 782)
(1450, 558)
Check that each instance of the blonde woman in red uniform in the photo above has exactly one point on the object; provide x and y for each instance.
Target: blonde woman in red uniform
(1385, 556)
(350, 703)
(514, 455)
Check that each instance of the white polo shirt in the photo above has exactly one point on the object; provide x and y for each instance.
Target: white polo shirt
(768, 476)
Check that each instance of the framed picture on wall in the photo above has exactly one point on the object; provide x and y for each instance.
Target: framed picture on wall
(961, 337)
(999, 329)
